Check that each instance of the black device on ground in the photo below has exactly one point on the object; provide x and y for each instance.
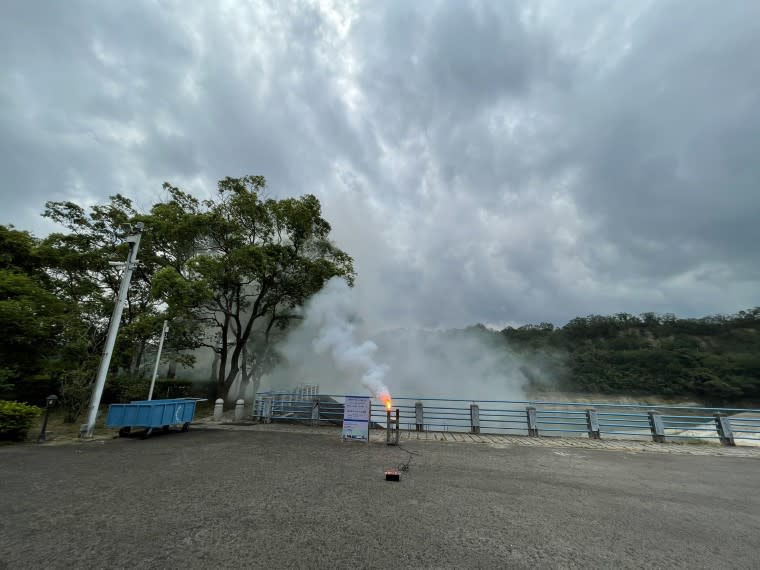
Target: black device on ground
(392, 475)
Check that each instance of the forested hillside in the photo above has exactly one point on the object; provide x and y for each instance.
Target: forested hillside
(714, 358)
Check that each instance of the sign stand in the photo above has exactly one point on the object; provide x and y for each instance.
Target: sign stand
(356, 416)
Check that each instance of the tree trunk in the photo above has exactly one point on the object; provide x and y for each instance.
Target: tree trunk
(241, 337)
(215, 367)
(172, 372)
(134, 365)
(245, 375)
(221, 374)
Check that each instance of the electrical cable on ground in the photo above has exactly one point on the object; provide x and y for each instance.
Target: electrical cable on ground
(405, 466)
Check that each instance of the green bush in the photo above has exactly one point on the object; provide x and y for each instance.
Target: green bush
(16, 419)
(123, 389)
(128, 389)
(75, 388)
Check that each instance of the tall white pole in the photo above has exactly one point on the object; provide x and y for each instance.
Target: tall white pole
(113, 329)
(158, 359)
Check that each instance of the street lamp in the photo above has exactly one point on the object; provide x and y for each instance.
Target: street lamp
(133, 239)
(50, 401)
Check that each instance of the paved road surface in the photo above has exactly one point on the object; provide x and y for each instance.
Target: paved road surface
(233, 499)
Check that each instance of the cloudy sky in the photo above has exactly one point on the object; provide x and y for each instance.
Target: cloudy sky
(497, 162)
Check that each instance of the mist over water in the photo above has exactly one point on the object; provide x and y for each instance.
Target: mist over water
(333, 348)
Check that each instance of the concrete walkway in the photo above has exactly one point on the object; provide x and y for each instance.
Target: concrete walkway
(502, 441)
(289, 497)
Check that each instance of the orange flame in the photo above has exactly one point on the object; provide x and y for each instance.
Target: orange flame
(388, 404)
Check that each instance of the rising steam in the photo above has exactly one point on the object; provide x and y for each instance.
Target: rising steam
(335, 347)
(332, 312)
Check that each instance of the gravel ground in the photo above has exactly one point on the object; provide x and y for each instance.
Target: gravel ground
(222, 498)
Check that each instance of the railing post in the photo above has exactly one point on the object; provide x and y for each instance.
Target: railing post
(419, 416)
(592, 421)
(474, 418)
(266, 410)
(315, 412)
(532, 424)
(218, 409)
(657, 427)
(725, 433)
(392, 428)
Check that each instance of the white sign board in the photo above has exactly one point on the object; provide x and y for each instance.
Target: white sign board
(356, 418)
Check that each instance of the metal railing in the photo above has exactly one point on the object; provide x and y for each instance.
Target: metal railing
(525, 417)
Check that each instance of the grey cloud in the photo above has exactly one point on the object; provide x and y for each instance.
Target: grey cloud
(667, 142)
(493, 162)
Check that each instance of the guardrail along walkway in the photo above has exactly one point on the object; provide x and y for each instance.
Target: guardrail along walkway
(597, 421)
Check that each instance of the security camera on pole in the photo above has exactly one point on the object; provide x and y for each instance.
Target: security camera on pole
(133, 239)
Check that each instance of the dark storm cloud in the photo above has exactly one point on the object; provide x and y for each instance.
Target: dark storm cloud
(667, 144)
(483, 161)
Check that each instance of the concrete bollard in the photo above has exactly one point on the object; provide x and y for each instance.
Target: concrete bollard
(474, 418)
(592, 421)
(218, 409)
(315, 412)
(530, 412)
(419, 416)
(657, 426)
(725, 433)
(239, 410)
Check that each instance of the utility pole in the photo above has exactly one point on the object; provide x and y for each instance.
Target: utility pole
(133, 239)
(158, 359)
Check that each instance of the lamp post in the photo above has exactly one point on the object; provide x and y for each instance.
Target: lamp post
(49, 403)
(133, 239)
(158, 359)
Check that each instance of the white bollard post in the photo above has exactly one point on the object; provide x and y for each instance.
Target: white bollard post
(218, 409)
(239, 410)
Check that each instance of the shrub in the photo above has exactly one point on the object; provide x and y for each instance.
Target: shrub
(124, 389)
(75, 387)
(16, 419)
(128, 389)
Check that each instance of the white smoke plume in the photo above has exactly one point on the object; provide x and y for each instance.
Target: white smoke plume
(333, 347)
(333, 313)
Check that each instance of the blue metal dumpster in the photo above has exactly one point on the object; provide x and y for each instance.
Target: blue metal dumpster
(151, 414)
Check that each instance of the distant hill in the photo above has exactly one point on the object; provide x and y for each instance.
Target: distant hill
(714, 359)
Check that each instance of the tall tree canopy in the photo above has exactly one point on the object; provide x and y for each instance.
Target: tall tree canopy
(228, 273)
(254, 262)
(32, 317)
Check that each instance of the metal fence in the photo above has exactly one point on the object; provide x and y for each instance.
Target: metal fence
(533, 418)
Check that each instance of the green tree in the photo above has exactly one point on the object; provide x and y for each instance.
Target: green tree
(254, 263)
(83, 266)
(31, 315)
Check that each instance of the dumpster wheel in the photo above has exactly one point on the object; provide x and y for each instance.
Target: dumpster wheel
(147, 433)
(124, 432)
(186, 426)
